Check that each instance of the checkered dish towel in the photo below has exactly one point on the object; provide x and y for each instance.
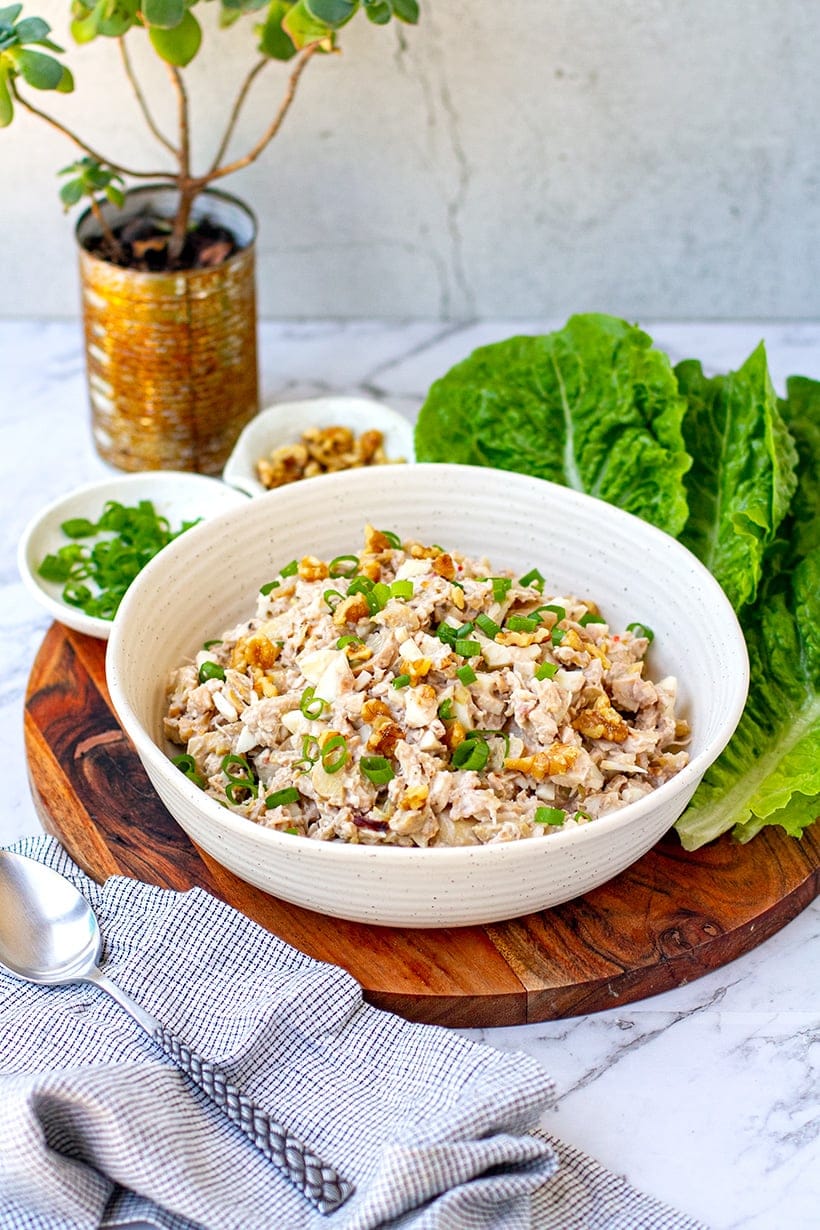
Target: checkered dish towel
(394, 1124)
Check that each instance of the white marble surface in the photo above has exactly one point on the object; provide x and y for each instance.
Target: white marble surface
(706, 1096)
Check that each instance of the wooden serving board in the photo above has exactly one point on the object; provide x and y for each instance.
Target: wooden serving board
(665, 921)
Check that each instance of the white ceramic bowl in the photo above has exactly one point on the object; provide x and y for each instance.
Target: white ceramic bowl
(633, 571)
(285, 422)
(179, 496)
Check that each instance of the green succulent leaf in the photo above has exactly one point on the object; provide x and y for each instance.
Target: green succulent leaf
(304, 29)
(275, 42)
(32, 30)
(180, 45)
(119, 16)
(71, 193)
(86, 23)
(378, 11)
(165, 14)
(66, 82)
(6, 105)
(8, 16)
(334, 13)
(115, 195)
(40, 71)
(406, 10)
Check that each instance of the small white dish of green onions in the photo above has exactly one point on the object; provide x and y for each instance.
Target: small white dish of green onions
(78, 555)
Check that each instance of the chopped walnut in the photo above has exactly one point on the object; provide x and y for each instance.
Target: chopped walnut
(558, 758)
(312, 569)
(384, 736)
(414, 798)
(254, 650)
(443, 566)
(321, 450)
(351, 609)
(601, 721)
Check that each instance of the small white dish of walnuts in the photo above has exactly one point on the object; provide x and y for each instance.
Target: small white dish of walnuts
(294, 441)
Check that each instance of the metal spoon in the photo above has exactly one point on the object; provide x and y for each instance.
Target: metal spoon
(49, 935)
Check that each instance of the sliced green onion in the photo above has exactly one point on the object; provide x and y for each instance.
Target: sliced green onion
(465, 629)
(445, 710)
(185, 762)
(334, 754)
(486, 625)
(533, 579)
(641, 630)
(376, 769)
(522, 623)
(591, 618)
(467, 649)
(466, 674)
(78, 527)
(292, 832)
(348, 640)
(378, 597)
(289, 569)
(234, 789)
(557, 635)
(401, 589)
(343, 566)
(312, 706)
(269, 587)
(332, 598)
(187, 765)
(582, 815)
(501, 587)
(550, 815)
(558, 611)
(281, 798)
(393, 539)
(401, 681)
(210, 644)
(210, 670)
(447, 633)
(310, 753)
(491, 734)
(359, 585)
(472, 754)
(545, 670)
(238, 782)
(458, 584)
(240, 761)
(77, 595)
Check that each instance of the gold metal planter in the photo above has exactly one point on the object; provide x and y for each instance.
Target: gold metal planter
(171, 357)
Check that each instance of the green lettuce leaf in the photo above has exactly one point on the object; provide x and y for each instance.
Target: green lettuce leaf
(742, 476)
(592, 406)
(770, 771)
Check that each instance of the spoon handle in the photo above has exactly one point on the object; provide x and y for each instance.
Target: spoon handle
(319, 1183)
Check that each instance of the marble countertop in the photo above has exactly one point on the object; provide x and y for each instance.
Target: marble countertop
(705, 1096)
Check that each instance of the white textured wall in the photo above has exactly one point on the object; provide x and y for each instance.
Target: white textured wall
(655, 158)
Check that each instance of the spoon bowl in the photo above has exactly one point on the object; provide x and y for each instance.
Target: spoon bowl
(48, 931)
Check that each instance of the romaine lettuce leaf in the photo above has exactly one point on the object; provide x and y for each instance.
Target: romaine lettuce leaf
(770, 771)
(592, 406)
(742, 476)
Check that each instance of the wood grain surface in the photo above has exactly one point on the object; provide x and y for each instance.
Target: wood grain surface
(665, 921)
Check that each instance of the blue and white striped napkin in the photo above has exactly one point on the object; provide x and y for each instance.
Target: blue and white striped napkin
(427, 1130)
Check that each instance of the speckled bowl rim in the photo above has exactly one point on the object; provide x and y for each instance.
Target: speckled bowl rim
(455, 856)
